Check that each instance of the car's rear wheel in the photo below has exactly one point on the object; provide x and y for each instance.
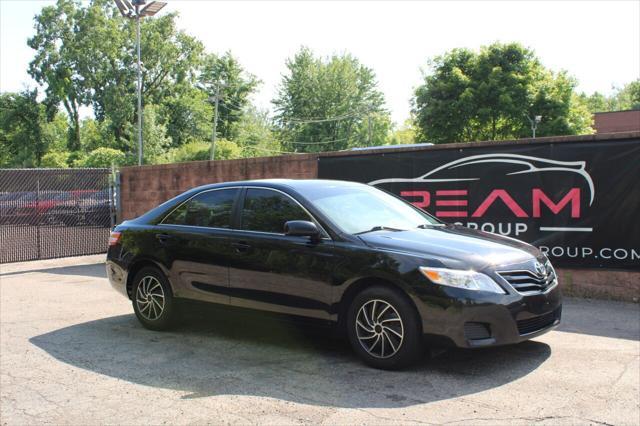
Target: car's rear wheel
(152, 299)
(384, 329)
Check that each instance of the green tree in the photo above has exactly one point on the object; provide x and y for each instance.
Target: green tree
(21, 120)
(200, 151)
(102, 157)
(224, 76)
(188, 116)
(55, 133)
(56, 62)
(154, 136)
(254, 134)
(85, 55)
(490, 95)
(55, 160)
(171, 61)
(95, 134)
(329, 104)
(629, 96)
(597, 102)
(403, 135)
(105, 43)
(625, 98)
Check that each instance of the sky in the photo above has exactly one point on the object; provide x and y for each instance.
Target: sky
(598, 42)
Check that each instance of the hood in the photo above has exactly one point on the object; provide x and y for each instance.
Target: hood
(455, 246)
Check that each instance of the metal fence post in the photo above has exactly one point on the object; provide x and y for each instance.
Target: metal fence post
(38, 217)
(115, 196)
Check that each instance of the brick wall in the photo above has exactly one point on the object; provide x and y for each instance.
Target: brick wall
(616, 121)
(142, 188)
(600, 284)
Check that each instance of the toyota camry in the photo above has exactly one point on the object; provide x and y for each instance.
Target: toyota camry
(392, 277)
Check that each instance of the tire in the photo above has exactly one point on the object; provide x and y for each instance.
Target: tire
(387, 318)
(156, 310)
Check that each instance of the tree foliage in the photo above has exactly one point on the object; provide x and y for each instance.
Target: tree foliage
(255, 135)
(491, 94)
(403, 135)
(57, 62)
(223, 76)
(329, 104)
(21, 129)
(102, 157)
(200, 151)
(625, 98)
(85, 61)
(85, 56)
(55, 160)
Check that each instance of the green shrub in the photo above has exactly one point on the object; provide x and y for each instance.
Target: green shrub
(199, 151)
(55, 160)
(102, 157)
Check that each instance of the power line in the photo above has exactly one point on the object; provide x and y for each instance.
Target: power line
(317, 143)
(297, 143)
(273, 150)
(321, 120)
(226, 103)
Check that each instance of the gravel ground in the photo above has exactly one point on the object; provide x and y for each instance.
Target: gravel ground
(72, 352)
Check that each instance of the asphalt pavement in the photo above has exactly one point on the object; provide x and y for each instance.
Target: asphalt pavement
(72, 352)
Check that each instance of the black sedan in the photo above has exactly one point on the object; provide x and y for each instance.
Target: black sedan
(390, 275)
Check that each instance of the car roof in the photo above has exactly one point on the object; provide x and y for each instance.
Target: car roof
(296, 184)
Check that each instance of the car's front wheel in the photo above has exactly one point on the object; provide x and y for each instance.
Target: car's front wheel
(152, 299)
(384, 329)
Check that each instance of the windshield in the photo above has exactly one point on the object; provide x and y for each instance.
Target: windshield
(360, 208)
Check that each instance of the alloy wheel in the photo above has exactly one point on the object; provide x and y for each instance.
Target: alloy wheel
(379, 328)
(150, 298)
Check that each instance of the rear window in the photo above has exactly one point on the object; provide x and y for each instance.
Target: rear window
(211, 209)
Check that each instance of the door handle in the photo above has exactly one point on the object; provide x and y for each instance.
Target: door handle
(164, 238)
(241, 246)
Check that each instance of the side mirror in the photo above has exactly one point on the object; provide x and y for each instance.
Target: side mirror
(301, 228)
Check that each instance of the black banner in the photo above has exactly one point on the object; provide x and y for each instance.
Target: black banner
(579, 202)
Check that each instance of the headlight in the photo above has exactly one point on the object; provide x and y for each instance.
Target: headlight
(468, 280)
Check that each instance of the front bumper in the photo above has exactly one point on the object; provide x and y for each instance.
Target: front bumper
(477, 320)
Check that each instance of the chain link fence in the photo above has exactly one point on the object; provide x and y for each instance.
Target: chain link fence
(50, 213)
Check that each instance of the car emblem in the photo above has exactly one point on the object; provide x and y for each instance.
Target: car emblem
(540, 269)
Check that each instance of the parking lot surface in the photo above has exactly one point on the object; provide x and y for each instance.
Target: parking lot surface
(72, 352)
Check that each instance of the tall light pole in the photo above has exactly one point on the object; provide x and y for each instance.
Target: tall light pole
(534, 124)
(136, 9)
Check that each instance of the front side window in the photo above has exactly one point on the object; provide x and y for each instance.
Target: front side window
(267, 211)
(210, 209)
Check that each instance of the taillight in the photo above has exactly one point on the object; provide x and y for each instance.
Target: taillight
(114, 238)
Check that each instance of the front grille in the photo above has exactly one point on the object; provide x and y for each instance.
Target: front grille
(527, 282)
(531, 325)
(476, 330)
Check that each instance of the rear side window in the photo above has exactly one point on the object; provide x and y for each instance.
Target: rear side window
(267, 211)
(210, 209)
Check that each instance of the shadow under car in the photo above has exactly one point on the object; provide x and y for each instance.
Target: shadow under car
(230, 353)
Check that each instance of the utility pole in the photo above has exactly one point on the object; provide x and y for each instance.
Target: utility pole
(214, 135)
(137, 4)
(369, 119)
